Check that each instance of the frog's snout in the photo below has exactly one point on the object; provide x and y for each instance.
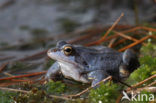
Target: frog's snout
(50, 51)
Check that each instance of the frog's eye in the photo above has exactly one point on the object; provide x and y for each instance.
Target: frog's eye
(67, 50)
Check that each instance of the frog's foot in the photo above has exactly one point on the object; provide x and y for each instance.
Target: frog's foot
(123, 72)
(53, 71)
(110, 82)
(96, 76)
(47, 77)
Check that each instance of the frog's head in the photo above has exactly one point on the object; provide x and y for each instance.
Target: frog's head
(64, 52)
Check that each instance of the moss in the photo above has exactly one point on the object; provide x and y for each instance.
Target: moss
(149, 50)
(55, 87)
(35, 96)
(106, 93)
(148, 65)
(6, 97)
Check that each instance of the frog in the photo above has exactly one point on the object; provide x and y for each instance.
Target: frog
(91, 64)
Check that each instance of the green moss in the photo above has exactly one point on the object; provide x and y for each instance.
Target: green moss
(35, 96)
(148, 65)
(6, 97)
(106, 93)
(55, 87)
(149, 50)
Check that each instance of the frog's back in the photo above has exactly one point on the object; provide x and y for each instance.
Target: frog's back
(103, 57)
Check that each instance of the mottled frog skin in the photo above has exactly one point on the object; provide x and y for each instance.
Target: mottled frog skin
(91, 64)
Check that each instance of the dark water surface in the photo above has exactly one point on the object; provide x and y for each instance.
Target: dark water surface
(24, 21)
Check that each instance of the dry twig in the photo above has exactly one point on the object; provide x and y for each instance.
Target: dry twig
(84, 91)
(108, 31)
(139, 89)
(135, 43)
(21, 76)
(3, 66)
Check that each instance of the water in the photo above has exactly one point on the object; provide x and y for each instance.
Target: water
(20, 17)
(23, 20)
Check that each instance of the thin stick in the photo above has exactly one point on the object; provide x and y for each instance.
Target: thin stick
(142, 82)
(108, 31)
(14, 90)
(119, 42)
(135, 43)
(20, 80)
(153, 83)
(59, 97)
(139, 27)
(126, 36)
(136, 85)
(24, 91)
(93, 31)
(111, 42)
(119, 98)
(3, 66)
(149, 89)
(84, 91)
(21, 76)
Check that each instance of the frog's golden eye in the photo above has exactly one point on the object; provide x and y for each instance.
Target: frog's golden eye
(67, 50)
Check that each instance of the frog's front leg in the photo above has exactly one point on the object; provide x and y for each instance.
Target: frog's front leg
(53, 71)
(96, 76)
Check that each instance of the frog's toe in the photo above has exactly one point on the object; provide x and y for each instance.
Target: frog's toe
(123, 71)
(47, 77)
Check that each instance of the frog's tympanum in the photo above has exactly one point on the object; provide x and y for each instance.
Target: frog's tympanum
(91, 64)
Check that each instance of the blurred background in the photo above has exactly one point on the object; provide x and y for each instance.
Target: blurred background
(31, 26)
(24, 20)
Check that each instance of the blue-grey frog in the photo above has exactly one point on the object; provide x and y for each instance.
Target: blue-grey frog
(91, 64)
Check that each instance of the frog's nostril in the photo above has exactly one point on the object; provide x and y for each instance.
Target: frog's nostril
(51, 51)
(54, 50)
